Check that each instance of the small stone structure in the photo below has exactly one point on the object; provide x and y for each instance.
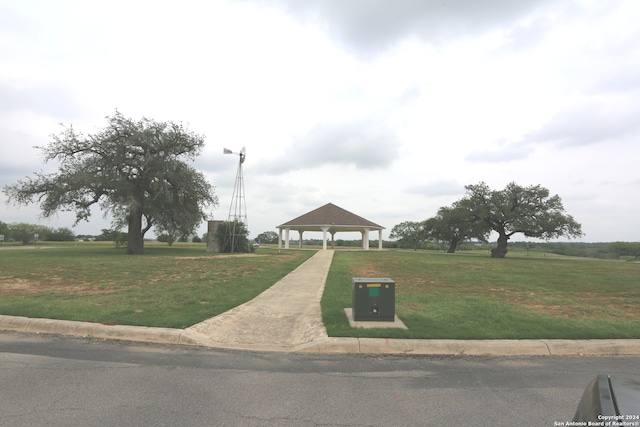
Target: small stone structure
(213, 243)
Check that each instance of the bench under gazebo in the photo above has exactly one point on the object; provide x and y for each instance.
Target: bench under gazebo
(329, 219)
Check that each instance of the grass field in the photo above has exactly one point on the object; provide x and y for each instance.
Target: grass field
(174, 286)
(465, 296)
(474, 296)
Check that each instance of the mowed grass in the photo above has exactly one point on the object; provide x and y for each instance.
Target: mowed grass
(173, 287)
(454, 296)
(473, 296)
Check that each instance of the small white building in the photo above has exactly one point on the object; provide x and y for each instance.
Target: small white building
(329, 219)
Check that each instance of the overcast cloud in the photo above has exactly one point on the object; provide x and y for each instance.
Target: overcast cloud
(387, 109)
(372, 26)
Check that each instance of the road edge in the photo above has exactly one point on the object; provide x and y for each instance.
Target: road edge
(333, 345)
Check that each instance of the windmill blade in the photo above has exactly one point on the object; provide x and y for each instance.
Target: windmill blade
(227, 151)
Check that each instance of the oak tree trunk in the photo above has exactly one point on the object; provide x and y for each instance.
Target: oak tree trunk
(453, 244)
(501, 250)
(135, 238)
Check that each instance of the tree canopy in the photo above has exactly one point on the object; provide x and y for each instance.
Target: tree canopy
(136, 170)
(453, 225)
(267, 237)
(409, 233)
(232, 237)
(527, 210)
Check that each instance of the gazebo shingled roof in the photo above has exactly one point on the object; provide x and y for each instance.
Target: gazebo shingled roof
(332, 216)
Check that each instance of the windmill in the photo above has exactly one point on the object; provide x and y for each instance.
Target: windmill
(238, 209)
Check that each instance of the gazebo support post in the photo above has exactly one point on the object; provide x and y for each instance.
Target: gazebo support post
(324, 237)
(365, 239)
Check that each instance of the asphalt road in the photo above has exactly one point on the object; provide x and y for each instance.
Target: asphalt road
(61, 381)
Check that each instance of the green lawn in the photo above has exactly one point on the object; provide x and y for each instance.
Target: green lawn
(167, 287)
(474, 296)
(463, 296)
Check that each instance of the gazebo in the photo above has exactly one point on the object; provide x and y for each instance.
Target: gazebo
(329, 219)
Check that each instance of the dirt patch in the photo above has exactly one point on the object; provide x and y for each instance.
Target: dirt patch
(219, 256)
(16, 285)
(9, 285)
(366, 271)
(584, 307)
(554, 310)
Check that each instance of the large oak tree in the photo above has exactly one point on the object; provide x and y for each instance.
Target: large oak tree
(135, 170)
(528, 210)
(409, 233)
(453, 225)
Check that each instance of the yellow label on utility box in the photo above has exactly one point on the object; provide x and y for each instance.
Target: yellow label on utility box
(373, 285)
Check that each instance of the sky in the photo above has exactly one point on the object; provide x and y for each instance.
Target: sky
(384, 108)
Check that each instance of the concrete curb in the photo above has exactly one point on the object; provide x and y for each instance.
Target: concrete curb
(332, 345)
(475, 347)
(96, 330)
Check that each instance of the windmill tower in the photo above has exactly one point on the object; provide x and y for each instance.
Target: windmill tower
(237, 219)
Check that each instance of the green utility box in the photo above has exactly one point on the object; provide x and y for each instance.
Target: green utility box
(374, 299)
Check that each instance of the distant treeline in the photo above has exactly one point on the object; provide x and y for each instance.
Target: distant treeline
(602, 250)
(29, 233)
(25, 233)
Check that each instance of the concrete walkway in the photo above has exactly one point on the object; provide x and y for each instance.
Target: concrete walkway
(287, 318)
(283, 317)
